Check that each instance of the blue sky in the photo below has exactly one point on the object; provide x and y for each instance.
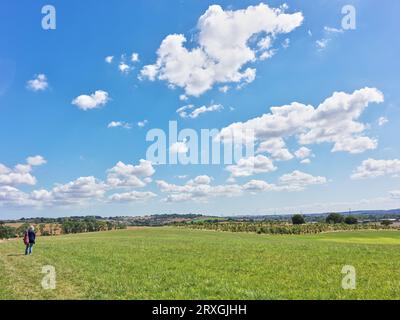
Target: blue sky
(74, 151)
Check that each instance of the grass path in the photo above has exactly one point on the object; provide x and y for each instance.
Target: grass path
(171, 263)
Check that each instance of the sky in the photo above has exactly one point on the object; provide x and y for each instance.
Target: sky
(83, 83)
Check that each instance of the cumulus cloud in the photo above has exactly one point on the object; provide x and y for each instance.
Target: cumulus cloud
(21, 173)
(77, 192)
(39, 83)
(225, 46)
(298, 180)
(116, 124)
(195, 112)
(93, 101)
(303, 153)
(246, 167)
(133, 196)
(333, 121)
(36, 161)
(178, 147)
(372, 168)
(127, 175)
(200, 188)
(81, 189)
(276, 147)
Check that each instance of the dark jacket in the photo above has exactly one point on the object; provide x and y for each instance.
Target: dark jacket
(31, 236)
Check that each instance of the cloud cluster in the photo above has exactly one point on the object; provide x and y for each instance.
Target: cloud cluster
(200, 188)
(333, 121)
(125, 65)
(372, 168)
(79, 191)
(227, 42)
(21, 173)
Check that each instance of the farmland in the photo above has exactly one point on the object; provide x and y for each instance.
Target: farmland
(181, 263)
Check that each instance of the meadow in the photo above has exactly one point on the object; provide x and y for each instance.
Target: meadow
(179, 263)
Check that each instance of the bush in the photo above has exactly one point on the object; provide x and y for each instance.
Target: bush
(334, 218)
(298, 219)
(350, 220)
(386, 223)
(7, 232)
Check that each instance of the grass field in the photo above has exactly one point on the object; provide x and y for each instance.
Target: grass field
(171, 263)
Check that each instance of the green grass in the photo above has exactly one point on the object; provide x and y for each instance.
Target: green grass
(172, 263)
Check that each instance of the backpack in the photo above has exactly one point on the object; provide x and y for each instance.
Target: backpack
(26, 238)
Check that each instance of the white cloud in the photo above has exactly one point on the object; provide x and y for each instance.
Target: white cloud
(142, 124)
(276, 147)
(124, 68)
(39, 83)
(21, 173)
(36, 161)
(298, 181)
(93, 101)
(127, 175)
(116, 124)
(133, 196)
(382, 121)
(183, 97)
(372, 168)
(134, 57)
(224, 48)
(305, 161)
(333, 121)
(183, 111)
(330, 32)
(178, 147)
(109, 59)
(246, 167)
(258, 186)
(81, 189)
(303, 153)
(198, 189)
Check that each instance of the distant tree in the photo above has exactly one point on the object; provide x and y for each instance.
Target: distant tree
(298, 219)
(350, 220)
(334, 218)
(386, 223)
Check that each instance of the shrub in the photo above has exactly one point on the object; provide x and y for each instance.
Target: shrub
(386, 223)
(7, 232)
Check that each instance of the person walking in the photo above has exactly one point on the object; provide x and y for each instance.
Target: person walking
(29, 240)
